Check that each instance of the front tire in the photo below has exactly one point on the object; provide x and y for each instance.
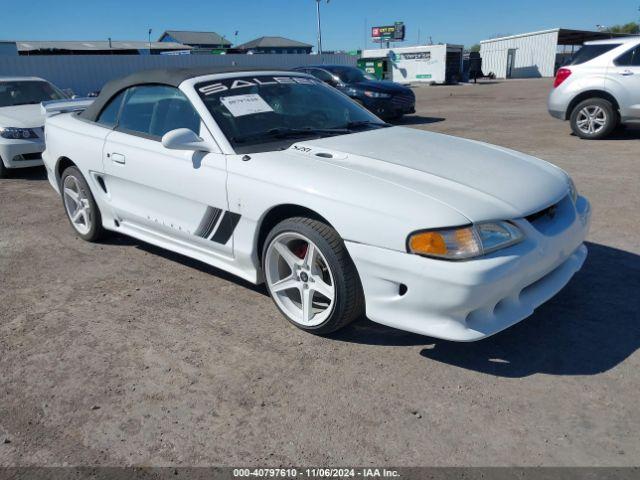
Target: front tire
(594, 119)
(310, 276)
(4, 171)
(80, 206)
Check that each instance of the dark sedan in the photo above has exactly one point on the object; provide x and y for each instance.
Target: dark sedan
(386, 99)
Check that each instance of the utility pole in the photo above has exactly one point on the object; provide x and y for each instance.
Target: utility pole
(319, 27)
(364, 46)
(149, 39)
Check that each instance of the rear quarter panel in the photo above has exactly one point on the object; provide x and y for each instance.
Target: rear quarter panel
(80, 141)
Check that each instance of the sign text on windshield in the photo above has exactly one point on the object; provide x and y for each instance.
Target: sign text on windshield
(240, 83)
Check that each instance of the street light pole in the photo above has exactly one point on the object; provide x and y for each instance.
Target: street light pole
(319, 27)
(149, 39)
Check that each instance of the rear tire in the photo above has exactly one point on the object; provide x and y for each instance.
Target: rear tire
(594, 119)
(80, 206)
(303, 259)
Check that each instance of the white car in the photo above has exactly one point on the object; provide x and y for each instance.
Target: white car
(599, 88)
(21, 120)
(276, 177)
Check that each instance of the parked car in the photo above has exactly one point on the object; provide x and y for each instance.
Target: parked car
(276, 177)
(388, 100)
(599, 88)
(21, 121)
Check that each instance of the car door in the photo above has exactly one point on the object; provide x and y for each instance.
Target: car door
(623, 81)
(177, 196)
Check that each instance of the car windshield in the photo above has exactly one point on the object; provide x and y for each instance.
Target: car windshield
(262, 113)
(589, 52)
(27, 92)
(351, 74)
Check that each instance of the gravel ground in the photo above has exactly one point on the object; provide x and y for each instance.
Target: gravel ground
(120, 353)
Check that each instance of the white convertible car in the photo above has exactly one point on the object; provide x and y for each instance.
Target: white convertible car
(21, 120)
(276, 177)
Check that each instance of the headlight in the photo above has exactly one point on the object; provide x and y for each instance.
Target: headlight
(573, 191)
(464, 242)
(371, 94)
(17, 133)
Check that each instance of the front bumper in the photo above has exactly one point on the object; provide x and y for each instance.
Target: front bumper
(471, 300)
(390, 107)
(21, 153)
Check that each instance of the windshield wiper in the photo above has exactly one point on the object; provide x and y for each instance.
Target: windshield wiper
(366, 123)
(290, 133)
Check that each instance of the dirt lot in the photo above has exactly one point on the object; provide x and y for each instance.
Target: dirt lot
(121, 353)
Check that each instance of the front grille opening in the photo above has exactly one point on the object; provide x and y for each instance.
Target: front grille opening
(548, 212)
(27, 156)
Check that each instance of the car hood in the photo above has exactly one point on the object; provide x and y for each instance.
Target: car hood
(23, 116)
(480, 181)
(381, 86)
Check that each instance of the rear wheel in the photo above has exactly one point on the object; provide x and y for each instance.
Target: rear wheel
(80, 206)
(594, 119)
(310, 276)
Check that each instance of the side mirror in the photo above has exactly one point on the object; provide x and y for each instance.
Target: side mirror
(184, 139)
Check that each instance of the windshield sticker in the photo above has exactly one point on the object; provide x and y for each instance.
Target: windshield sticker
(223, 86)
(249, 104)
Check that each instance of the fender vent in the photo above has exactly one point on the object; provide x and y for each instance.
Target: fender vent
(100, 181)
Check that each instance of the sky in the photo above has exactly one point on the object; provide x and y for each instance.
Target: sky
(343, 21)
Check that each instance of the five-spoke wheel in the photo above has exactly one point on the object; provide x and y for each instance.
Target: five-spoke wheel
(80, 205)
(310, 275)
(299, 279)
(76, 204)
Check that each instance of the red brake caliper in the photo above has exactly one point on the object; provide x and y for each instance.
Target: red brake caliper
(301, 251)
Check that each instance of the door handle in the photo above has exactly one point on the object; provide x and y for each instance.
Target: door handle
(118, 158)
(626, 73)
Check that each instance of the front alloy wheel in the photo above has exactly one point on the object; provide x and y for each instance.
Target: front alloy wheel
(310, 275)
(299, 279)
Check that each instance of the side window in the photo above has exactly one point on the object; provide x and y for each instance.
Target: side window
(625, 59)
(322, 75)
(109, 115)
(156, 109)
(589, 52)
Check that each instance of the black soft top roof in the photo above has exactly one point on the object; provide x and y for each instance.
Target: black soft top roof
(172, 77)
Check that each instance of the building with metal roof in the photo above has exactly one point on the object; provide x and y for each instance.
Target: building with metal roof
(534, 54)
(100, 47)
(197, 40)
(273, 45)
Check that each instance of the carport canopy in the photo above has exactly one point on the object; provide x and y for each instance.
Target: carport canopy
(578, 37)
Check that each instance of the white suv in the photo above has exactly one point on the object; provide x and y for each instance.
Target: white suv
(21, 120)
(599, 88)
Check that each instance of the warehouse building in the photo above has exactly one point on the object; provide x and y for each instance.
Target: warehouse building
(197, 40)
(535, 54)
(273, 45)
(106, 47)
